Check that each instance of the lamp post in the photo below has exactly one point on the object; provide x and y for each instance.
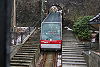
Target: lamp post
(45, 4)
(45, 8)
(42, 10)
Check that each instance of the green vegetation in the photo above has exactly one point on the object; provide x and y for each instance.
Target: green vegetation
(81, 27)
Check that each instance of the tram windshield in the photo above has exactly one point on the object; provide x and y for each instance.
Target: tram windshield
(51, 31)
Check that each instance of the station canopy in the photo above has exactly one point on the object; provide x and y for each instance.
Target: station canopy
(95, 21)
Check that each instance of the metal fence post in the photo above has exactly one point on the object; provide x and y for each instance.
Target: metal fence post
(29, 30)
(15, 38)
(21, 37)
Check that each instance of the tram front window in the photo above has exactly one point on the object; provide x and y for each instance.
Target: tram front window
(51, 31)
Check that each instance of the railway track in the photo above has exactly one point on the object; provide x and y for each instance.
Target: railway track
(28, 53)
(49, 59)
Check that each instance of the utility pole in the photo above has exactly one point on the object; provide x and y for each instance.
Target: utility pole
(99, 36)
(14, 16)
(5, 22)
(42, 10)
(14, 21)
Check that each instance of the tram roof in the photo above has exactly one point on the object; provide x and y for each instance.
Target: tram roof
(53, 17)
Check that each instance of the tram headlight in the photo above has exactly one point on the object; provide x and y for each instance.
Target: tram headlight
(50, 39)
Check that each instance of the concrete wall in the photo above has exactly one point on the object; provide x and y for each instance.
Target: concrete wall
(93, 60)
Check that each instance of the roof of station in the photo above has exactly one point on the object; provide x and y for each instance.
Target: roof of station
(95, 20)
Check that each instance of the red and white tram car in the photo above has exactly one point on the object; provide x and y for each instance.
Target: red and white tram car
(51, 32)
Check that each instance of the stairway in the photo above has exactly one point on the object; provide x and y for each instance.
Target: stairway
(71, 52)
(24, 57)
(27, 55)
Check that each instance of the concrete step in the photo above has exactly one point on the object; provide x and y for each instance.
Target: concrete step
(20, 61)
(30, 56)
(69, 65)
(25, 53)
(83, 46)
(28, 48)
(71, 52)
(71, 55)
(19, 64)
(66, 57)
(71, 60)
(73, 47)
(27, 45)
(74, 63)
(69, 48)
(20, 58)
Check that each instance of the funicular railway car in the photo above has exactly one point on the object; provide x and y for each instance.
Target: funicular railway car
(51, 32)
